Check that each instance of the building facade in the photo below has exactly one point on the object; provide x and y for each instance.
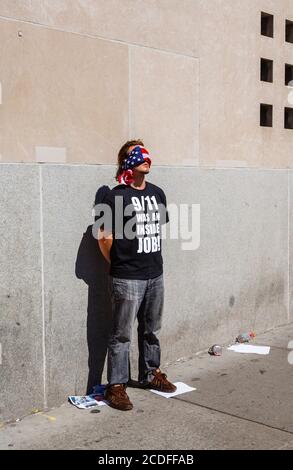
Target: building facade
(206, 85)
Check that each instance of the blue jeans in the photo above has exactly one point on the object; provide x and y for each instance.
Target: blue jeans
(131, 299)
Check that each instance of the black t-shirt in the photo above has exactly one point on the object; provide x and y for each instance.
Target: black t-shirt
(137, 244)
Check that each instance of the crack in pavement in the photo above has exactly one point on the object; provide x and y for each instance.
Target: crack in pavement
(234, 416)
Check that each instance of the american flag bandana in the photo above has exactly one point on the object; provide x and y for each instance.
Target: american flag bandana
(137, 156)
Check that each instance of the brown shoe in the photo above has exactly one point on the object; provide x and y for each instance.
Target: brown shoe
(117, 397)
(161, 383)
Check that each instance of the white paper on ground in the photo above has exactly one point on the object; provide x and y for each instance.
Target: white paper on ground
(181, 388)
(102, 402)
(250, 348)
(85, 402)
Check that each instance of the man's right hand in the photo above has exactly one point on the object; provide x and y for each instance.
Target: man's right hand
(105, 241)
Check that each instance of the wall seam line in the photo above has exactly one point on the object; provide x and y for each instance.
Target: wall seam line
(93, 36)
(171, 167)
(129, 94)
(43, 288)
(288, 261)
(199, 115)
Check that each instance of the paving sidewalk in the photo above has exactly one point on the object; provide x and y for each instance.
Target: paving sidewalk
(241, 401)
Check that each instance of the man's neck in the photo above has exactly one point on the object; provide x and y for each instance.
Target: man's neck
(139, 182)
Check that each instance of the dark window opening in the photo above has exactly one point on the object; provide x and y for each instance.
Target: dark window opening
(266, 115)
(267, 24)
(288, 118)
(288, 74)
(289, 31)
(266, 70)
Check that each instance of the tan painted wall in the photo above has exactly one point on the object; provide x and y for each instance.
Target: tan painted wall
(183, 75)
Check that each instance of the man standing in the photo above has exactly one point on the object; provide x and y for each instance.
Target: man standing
(136, 274)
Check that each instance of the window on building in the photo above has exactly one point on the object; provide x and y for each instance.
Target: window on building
(266, 70)
(289, 31)
(267, 24)
(266, 115)
(288, 118)
(288, 74)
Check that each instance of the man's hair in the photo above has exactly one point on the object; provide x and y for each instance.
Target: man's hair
(123, 152)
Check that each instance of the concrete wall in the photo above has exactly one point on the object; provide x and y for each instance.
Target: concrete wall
(53, 279)
(81, 76)
(77, 80)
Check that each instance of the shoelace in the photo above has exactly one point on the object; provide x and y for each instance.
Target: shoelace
(120, 391)
(160, 377)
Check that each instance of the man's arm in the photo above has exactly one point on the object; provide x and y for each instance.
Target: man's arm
(105, 241)
(107, 231)
(105, 237)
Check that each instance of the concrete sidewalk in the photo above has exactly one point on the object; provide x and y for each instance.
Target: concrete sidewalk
(242, 401)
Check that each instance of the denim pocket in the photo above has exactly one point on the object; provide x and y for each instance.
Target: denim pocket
(119, 287)
(127, 289)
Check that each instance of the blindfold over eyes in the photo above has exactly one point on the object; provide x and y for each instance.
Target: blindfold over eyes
(137, 156)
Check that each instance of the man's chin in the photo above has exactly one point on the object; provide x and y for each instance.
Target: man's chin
(144, 170)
